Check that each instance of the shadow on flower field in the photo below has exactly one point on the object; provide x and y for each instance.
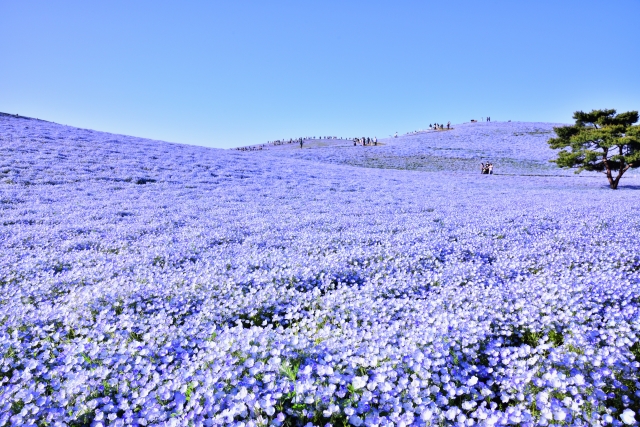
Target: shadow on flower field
(149, 283)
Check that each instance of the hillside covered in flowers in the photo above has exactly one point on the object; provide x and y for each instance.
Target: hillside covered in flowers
(156, 284)
(515, 148)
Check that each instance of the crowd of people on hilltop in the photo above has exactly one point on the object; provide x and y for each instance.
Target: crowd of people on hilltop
(284, 141)
(251, 148)
(439, 126)
(432, 127)
(365, 141)
(297, 140)
(486, 168)
(356, 141)
(300, 140)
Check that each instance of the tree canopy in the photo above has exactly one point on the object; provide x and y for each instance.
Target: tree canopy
(600, 140)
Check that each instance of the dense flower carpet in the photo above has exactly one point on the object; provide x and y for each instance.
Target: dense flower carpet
(157, 284)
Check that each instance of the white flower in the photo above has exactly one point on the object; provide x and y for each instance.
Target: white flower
(628, 417)
(426, 415)
(559, 415)
(543, 397)
(359, 382)
(468, 405)
(242, 393)
(472, 381)
(451, 413)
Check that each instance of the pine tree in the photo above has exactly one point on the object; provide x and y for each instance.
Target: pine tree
(600, 141)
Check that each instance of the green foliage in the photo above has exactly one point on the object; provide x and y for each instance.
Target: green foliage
(531, 338)
(190, 389)
(290, 370)
(601, 141)
(635, 350)
(556, 337)
(17, 406)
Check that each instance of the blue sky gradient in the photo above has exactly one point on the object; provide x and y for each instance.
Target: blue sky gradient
(225, 74)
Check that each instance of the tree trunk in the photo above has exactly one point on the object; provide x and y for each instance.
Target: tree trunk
(613, 184)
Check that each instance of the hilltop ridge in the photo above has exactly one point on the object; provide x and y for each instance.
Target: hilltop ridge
(514, 147)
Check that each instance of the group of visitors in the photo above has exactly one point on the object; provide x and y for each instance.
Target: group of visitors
(251, 148)
(486, 168)
(284, 141)
(297, 140)
(365, 141)
(487, 119)
(439, 126)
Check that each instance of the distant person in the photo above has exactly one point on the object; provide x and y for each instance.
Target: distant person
(490, 168)
(396, 135)
(448, 125)
(375, 140)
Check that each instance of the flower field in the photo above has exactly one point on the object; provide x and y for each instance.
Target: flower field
(156, 284)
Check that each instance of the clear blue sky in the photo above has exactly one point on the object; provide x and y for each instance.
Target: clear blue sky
(230, 73)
